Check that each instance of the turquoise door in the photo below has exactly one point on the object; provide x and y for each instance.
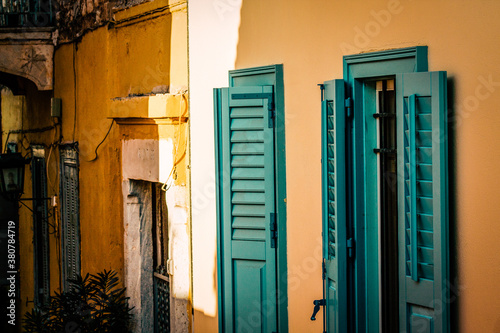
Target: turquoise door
(247, 215)
(354, 205)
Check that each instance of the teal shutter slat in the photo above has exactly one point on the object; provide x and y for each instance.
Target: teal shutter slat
(423, 206)
(246, 196)
(334, 206)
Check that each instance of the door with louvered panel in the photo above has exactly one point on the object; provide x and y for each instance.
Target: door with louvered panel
(246, 197)
(401, 156)
(422, 191)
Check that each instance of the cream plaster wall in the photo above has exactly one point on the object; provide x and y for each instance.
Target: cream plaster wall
(213, 37)
(309, 39)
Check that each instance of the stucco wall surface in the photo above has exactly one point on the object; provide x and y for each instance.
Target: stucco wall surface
(309, 39)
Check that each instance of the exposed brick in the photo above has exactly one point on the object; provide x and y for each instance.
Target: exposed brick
(76, 17)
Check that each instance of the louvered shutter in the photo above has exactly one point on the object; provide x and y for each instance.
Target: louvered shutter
(334, 206)
(70, 214)
(40, 226)
(246, 199)
(422, 191)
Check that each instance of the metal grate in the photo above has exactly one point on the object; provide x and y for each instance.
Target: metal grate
(160, 255)
(162, 303)
(26, 13)
(40, 226)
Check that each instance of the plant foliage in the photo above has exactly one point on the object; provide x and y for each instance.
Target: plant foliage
(94, 303)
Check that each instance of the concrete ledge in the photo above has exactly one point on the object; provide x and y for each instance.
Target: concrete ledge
(20, 35)
(159, 106)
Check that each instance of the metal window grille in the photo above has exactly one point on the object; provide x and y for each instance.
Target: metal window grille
(40, 226)
(26, 13)
(161, 279)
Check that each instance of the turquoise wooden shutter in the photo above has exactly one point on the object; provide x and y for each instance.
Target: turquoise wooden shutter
(423, 208)
(246, 200)
(334, 206)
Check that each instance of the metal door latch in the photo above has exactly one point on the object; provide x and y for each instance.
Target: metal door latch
(317, 303)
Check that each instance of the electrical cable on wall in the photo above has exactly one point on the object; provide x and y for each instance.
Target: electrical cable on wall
(165, 187)
(26, 131)
(100, 143)
(6, 140)
(52, 145)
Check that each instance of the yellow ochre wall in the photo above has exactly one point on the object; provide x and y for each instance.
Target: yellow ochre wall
(134, 58)
(309, 39)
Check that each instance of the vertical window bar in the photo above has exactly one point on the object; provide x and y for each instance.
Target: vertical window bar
(388, 246)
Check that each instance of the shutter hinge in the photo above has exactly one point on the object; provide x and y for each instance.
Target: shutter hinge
(274, 230)
(350, 247)
(323, 266)
(348, 106)
(272, 114)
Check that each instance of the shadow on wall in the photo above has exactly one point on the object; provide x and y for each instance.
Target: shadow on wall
(207, 321)
(452, 181)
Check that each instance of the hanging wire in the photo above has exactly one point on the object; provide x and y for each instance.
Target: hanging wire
(52, 145)
(25, 138)
(100, 143)
(22, 203)
(165, 187)
(6, 140)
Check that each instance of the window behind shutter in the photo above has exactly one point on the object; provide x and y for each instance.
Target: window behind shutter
(334, 206)
(70, 213)
(40, 226)
(422, 187)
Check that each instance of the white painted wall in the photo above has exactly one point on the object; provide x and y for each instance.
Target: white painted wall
(213, 39)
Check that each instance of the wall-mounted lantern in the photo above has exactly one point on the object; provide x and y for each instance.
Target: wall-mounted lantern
(12, 175)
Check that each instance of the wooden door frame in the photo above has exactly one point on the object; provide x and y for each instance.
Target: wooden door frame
(357, 69)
